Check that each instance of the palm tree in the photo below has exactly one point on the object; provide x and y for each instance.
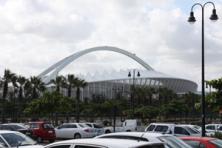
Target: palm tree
(59, 82)
(6, 79)
(79, 84)
(21, 81)
(35, 87)
(70, 83)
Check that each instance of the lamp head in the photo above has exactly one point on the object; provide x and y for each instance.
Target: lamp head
(191, 19)
(138, 74)
(214, 16)
(129, 74)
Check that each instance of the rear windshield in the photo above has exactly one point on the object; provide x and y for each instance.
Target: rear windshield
(152, 146)
(125, 137)
(48, 126)
(192, 131)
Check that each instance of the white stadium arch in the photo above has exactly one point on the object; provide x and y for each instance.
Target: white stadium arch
(150, 76)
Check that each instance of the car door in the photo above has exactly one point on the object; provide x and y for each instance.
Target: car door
(71, 130)
(61, 131)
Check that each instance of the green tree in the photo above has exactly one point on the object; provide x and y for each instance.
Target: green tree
(79, 84)
(34, 87)
(59, 82)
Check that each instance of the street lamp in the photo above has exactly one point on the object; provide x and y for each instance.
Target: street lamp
(132, 89)
(192, 19)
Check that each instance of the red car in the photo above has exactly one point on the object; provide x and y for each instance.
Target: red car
(41, 130)
(203, 142)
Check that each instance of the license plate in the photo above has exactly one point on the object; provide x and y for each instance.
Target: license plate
(50, 131)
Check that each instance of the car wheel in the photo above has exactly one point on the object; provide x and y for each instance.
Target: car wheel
(51, 141)
(39, 140)
(77, 136)
(107, 131)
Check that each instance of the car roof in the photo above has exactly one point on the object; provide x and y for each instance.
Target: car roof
(162, 124)
(151, 136)
(7, 131)
(197, 138)
(115, 143)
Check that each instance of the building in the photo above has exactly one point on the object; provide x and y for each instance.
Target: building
(108, 84)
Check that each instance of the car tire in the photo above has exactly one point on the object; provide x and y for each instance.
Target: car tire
(39, 139)
(77, 136)
(107, 131)
(51, 141)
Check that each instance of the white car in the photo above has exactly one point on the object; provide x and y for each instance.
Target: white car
(97, 128)
(73, 131)
(13, 139)
(174, 129)
(169, 140)
(104, 143)
(212, 128)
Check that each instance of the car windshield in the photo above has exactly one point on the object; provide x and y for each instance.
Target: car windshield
(173, 142)
(217, 142)
(17, 139)
(192, 131)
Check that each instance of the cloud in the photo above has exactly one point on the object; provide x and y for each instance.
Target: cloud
(37, 33)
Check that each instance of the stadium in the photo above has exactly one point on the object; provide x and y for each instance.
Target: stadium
(108, 84)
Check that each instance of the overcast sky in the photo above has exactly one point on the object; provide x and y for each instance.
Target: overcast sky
(34, 34)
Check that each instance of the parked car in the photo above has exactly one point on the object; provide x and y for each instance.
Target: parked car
(169, 140)
(42, 130)
(97, 128)
(73, 130)
(174, 129)
(15, 127)
(104, 143)
(212, 128)
(12, 139)
(128, 125)
(203, 142)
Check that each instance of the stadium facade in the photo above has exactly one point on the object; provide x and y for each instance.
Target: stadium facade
(107, 85)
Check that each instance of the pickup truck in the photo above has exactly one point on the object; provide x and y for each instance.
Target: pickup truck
(127, 126)
(174, 129)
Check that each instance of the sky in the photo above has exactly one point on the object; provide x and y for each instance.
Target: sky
(35, 34)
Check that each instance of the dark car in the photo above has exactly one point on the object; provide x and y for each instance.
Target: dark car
(15, 127)
(42, 130)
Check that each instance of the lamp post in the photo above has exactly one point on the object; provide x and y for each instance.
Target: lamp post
(192, 19)
(132, 89)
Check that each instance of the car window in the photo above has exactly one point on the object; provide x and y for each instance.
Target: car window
(86, 146)
(82, 125)
(220, 128)
(210, 127)
(98, 126)
(161, 128)
(60, 146)
(34, 125)
(88, 124)
(151, 146)
(48, 126)
(72, 126)
(194, 144)
(192, 131)
(150, 128)
(180, 130)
